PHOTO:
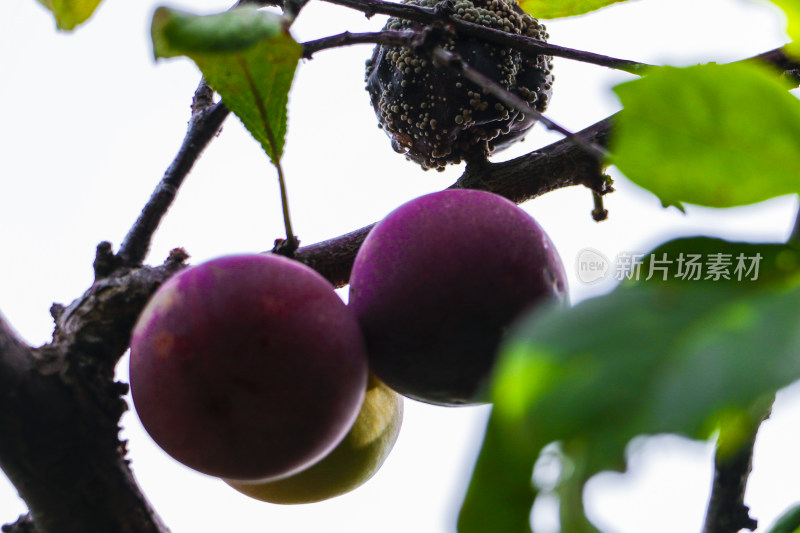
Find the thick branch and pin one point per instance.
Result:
(60, 408)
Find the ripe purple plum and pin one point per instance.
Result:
(351, 464)
(437, 283)
(247, 367)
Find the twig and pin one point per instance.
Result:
(450, 60)
(599, 213)
(526, 45)
(388, 38)
(203, 126)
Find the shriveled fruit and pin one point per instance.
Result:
(247, 367)
(354, 461)
(437, 282)
(434, 115)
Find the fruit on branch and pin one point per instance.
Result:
(354, 461)
(247, 367)
(438, 281)
(435, 116)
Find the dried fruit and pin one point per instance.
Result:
(435, 116)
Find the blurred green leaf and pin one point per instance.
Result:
(789, 522)
(648, 358)
(245, 55)
(551, 9)
(70, 13)
(176, 33)
(792, 10)
(714, 135)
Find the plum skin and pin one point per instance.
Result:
(438, 281)
(248, 367)
(351, 464)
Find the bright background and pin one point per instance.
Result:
(90, 122)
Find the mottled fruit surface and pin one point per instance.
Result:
(247, 367)
(434, 115)
(438, 281)
(354, 461)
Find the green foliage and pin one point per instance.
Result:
(792, 10)
(646, 359)
(245, 55)
(714, 135)
(551, 9)
(789, 522)
(70, 13)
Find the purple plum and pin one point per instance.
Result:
(247, 367)
(437, 283)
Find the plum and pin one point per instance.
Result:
(247, 367)
(351, 464)
(438, 281)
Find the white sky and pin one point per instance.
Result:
(90, 122)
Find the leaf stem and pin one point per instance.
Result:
(291, 240)
(570, 491)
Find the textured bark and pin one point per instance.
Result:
(60, 408)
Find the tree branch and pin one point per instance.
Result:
(726, 511)
(388, 38)
(207, 118)
(561, 164)
(526, 45)
(60, 408)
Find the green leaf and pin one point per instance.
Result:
(70, 13)
(648, 358)
(792, 10)
(551, 9)
(789, 522)
(245, 55)
(714, 135)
